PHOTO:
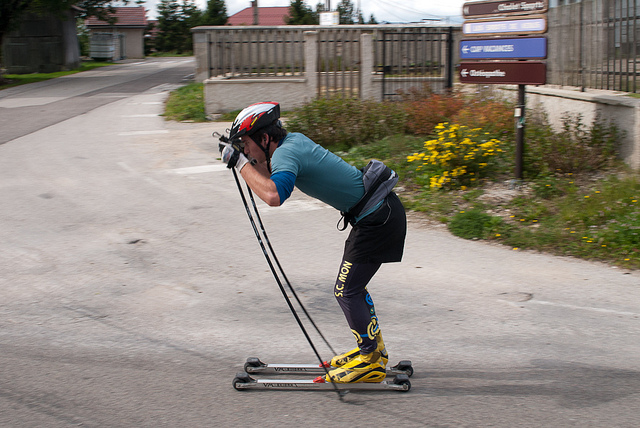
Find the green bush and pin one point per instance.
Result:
(577, 147)
(342, 123)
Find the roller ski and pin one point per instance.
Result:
(243, 381)
(256, 366)
(361, 372)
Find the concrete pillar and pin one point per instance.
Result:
(634, 157)
(366, 67)
(311, 62)
(201, 52)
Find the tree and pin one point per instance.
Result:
(346, 11)
(372, 20)
(301, 14)
(175, 20)
(216, 13)
(12, 11)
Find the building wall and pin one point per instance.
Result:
(127, 42)
(42, 44)
(134, 42)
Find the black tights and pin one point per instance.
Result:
(356, 303)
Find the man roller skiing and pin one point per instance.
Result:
(282, 160)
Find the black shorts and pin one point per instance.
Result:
(379, 237)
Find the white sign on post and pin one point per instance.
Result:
(329, 18)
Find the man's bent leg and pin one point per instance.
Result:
(364, 363)
(356, 303)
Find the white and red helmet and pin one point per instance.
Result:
(253, 118)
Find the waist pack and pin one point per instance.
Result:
(378, 180)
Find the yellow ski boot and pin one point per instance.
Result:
(342, 359)
(361, 368)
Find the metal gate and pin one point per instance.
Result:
(339, 59)
(416, 59)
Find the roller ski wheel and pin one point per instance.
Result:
(241, 379)
(403, 381)
(403, 366)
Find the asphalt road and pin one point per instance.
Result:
(132, 289)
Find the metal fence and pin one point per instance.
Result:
(247, 52)
(594, 44)
(403, 55)
(416, 58)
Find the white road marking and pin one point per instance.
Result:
(583, 308)
(307, 204)
(130, 133)
(200, 169)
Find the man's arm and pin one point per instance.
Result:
(258, 179)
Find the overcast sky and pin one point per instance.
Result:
(383, 10)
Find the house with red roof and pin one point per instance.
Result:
(123, 39)
(266, 16)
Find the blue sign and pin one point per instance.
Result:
(520, 48)
(505, 26)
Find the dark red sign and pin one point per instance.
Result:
(491, 8)
(504, 72)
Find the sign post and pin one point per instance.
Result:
(520, 120)
(491, 21)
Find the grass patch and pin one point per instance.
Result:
(474, 224)
(170, 54)
(227, 117)
(597, 220)
(11, 80)
(186, 104)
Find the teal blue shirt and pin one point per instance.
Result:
(318, 172)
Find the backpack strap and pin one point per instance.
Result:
(374, 175)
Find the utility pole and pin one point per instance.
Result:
(256, 19)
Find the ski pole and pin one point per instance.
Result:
(275, 258)
(279, 282)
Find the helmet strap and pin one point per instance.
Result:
(265, 149)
